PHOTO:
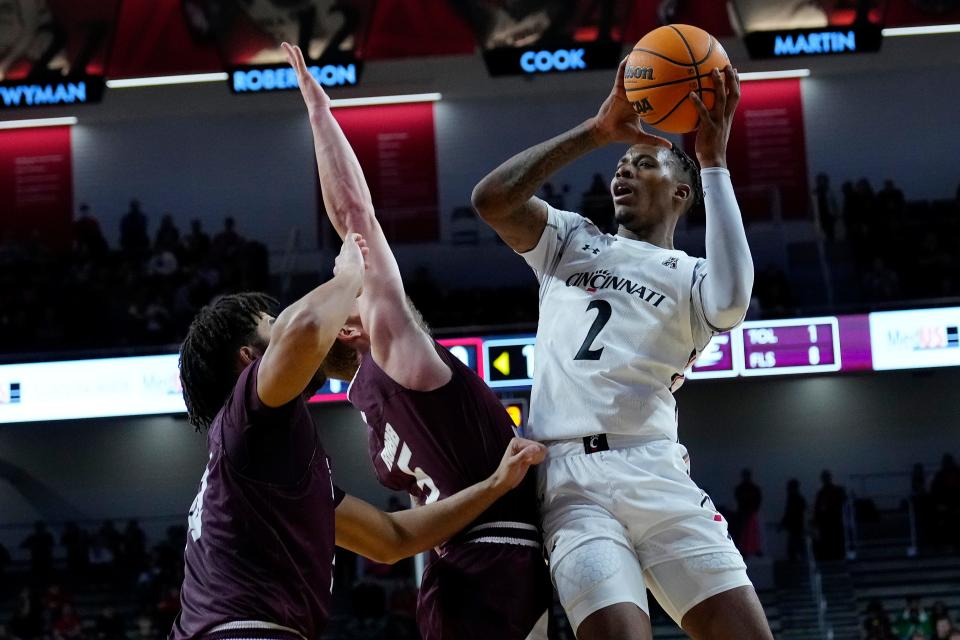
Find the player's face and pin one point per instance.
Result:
(643, 187)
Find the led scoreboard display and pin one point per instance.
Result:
(509, 361)
(788, 346)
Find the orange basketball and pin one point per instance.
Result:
(664, 67)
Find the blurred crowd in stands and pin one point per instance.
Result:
(109, 585)
(139, 294)
(914, 623)
(880, 250)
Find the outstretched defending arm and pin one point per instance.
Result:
(389, 537)
(505, 197)
(725, 289)
(399, 344)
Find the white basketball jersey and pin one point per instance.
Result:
(619, 324)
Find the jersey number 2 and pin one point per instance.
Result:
(604, 311)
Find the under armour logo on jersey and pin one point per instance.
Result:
(671, 262)
(587, 247)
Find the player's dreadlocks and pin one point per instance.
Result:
(208, 355)
(690, 171)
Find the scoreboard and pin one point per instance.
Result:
(150, 385)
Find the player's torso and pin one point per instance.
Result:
(613, 340)
(435, 443)
(257, 551)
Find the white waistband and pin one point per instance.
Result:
(252, 624)
(577, 447)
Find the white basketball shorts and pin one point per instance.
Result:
(619, 521)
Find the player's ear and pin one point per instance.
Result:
(245, 356)
(349, 334)
(682, 192)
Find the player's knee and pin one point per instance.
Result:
(623, 621)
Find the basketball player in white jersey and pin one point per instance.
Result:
(621, 317)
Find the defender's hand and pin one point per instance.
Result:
(313, 93)
(520, 455)
(714, 130)
(351, 263)
(616, 121)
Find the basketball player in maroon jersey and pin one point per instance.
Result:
(262, 529)
(434, 427)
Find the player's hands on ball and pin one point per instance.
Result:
(313, 93)
(352, 261)
(520, 455)
(714, 129)
(616, 121)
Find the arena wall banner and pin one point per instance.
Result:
(36, 184)
(767, 154)
(397, 149)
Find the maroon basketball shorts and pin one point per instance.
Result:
(489, 584)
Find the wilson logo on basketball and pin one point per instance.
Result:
(639, 73)
(643, 106)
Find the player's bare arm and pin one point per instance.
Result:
(389, 537)
(302, 334)
(398, 342)
(725, 291)
(505, 197)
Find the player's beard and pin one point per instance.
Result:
(341, 362)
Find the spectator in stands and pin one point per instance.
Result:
(40, 546)
(945, 501)
(4, 563)
(133, 230)
(195, 244)
(773, 291)
(876, 625)
(942, 628)
(74, 542)
(748, 497)
(890, 198)
(168, 236)
(826, 206)
(914, 621)
(67, 624)
(88, 239)
(27, 620)
(794, 521)
(828, 519)
(134, 549)
(881, 283)
(109, 626)
(145, 630)
(100, 559)
(920, 500)
(167, 608)
(226, 243)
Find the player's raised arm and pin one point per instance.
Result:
(389, 537)
(303, 333)
(505, 197)
(398, 343)
(726, 288)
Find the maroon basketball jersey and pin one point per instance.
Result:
(260, 543)
(432, 444)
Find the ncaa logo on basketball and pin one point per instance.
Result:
(643, 106)
(638, 73)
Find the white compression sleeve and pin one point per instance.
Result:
(728, 283)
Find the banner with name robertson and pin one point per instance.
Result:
(333, 72)
(805, 43)
(568, 57)
(51, 91)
